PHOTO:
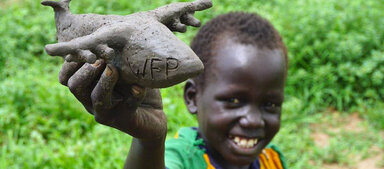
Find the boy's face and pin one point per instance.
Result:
(240, 106)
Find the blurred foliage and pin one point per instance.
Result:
(336, 50)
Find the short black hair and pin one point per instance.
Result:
(246, 28)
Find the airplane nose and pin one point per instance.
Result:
(156, 58)
(186, 65)
(178, 61)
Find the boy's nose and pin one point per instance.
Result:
(252, 120)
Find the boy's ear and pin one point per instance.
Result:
(190, 92)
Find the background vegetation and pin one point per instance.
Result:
(336, 50)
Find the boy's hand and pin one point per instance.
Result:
(129, 108)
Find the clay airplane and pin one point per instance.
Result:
(141, 45)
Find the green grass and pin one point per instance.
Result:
(336, 49)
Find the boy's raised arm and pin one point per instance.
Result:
(127, 42)
(130, 109)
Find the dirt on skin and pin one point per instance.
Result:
(352, 124)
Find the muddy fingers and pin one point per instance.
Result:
(83, 81)
(67, 70)
(102, 95)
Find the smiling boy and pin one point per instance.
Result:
(237, 101)
(238, 98)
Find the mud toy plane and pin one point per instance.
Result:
(141, 45)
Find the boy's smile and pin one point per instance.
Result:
(239, 106)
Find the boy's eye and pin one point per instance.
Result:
(232, 102)
(271, 106)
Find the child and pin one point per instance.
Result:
(237, 101)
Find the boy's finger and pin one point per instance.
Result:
(83, 81)
(102, 94)
(137, 91)
(67, 70)
(153, 99)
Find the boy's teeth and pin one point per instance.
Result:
(237, 140)
(250, 143)
(244, 142)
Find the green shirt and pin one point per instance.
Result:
(186, 151)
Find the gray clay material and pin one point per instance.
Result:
(141, 45)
